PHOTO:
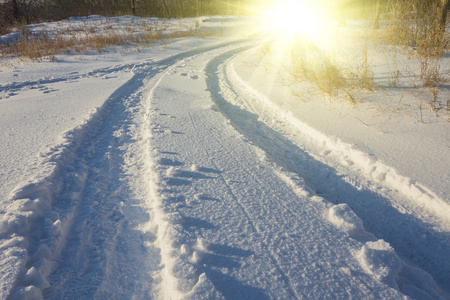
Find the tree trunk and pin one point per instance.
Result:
(443, 7)
(166, 10)
(133, 7)
(15, 8)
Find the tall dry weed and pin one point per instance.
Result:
(414, 26)
(36, 45)
(308, 62)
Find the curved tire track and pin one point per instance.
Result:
(77, 234)
(232, 225)
(381, 208)
(173, 191)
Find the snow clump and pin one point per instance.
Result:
(342, 216)
(380, 260)
(202, 244)
(195, 168)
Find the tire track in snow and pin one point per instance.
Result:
(371, 201)
(105, 251)
(247, 215)
(231, 193)
(193, 244)
(171, 285)
(90, 214)
(220, 228)
(78, 220)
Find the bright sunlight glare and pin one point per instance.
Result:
(290, 19)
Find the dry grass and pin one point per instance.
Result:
(42, 45)
(358, 70)
(309, 63)
(336, 79)
(80, 38)
(410, 32)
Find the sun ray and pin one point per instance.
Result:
(294, 19)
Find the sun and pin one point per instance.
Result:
(290, 19)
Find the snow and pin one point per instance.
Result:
(344, 217)
(188, 169)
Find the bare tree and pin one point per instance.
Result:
(15, 9)
(133, 7)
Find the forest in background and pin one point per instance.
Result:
(21, 12)
(15, 13)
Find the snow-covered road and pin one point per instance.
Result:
(188, 183)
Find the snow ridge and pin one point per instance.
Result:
(37, 232)
(160, 224)
(253, 115)
(35, 229)
(36, 226)
(384, 201)
(357, 160)
(178, 278)
(376, 257)
(45, 207)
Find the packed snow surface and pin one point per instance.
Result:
(189, 169)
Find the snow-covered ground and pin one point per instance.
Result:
(194, 168)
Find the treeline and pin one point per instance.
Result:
(14, 12)
(18, 12)
(364, 9)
